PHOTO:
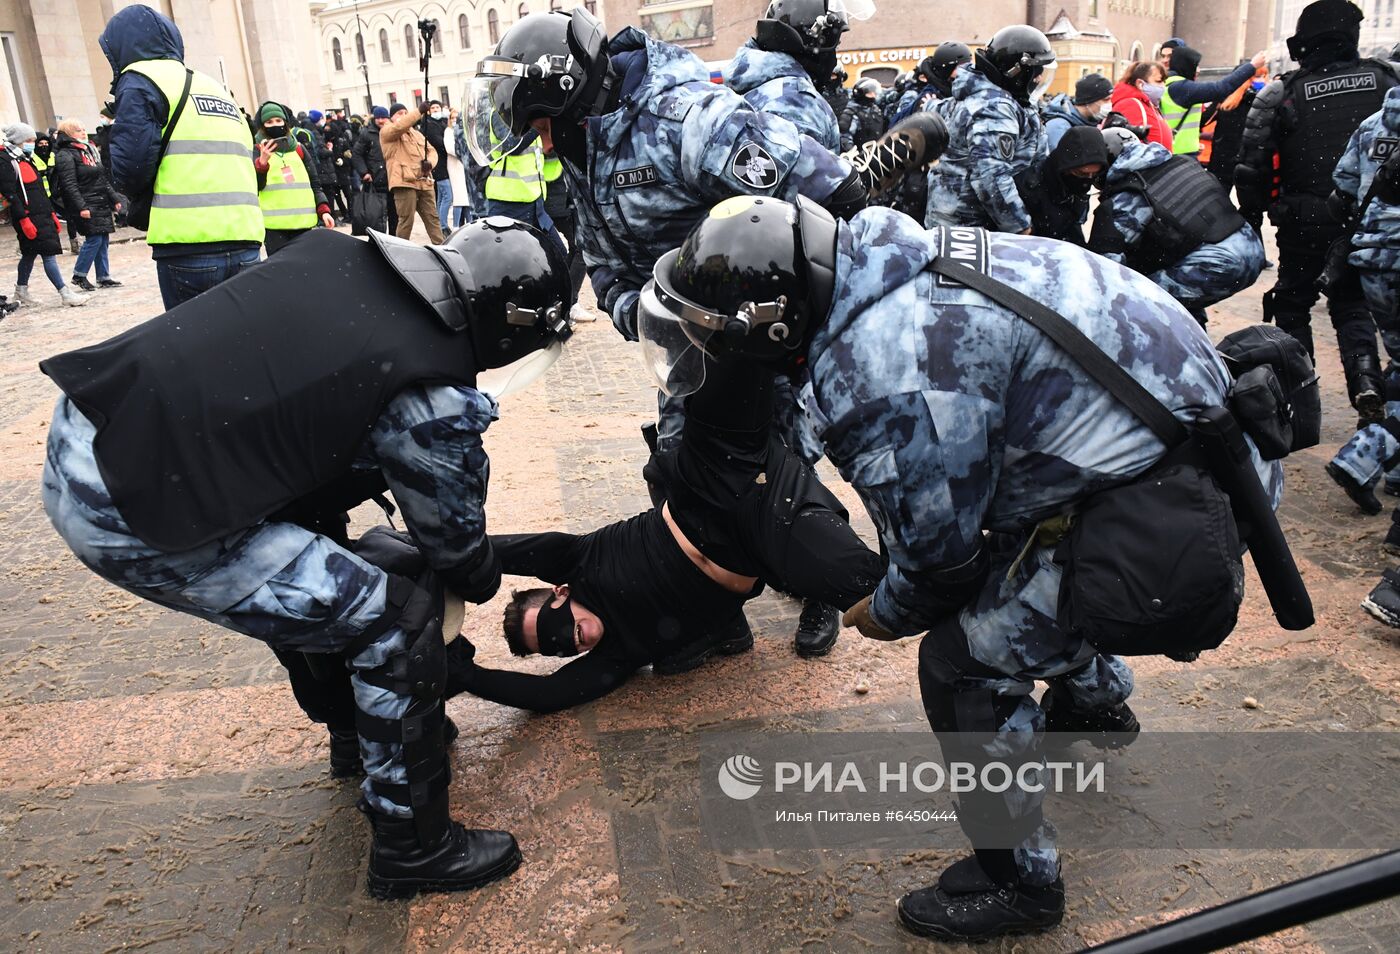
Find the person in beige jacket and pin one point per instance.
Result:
(409, 161)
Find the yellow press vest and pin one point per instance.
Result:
(205, 189)
(41, 165)
(287, 200)
(1183, 121)
(517, 178)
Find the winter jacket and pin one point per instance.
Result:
(79, 177)
(367, 157)
(297, 142)
(1377, 238)
(433, 130)
(134, 34)
(1140, 111)
(24, 192)
(1060, 206)
(404, 149)
(1189, 91)
(1060, 115)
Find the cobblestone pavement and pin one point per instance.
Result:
(159, 789)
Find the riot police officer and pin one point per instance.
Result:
(648, 143)
(996, 143)
(1168, 218)
(862, 122)
(1304, 121)
(175, 473)
(961, 448)
(793, 47)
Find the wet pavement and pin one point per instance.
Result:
(160, 790)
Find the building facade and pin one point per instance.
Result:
(51, 67)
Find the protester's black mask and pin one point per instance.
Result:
(554, 629)
(1074, 185)
(43, 150)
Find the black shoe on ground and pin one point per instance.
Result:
(1113, 728)
(454, 859)
(730, 640)
(108, 283)
(1363, 495)
(81, 282)
(817, 629)
(983, 913)
(1383, 602)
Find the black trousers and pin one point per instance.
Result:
(750, 504)
(1301, 257)
(321, 685)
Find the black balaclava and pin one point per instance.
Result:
(1079, 146)
(43, 148)
(554, 629)
(1328, 31)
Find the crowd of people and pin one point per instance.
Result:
(898, 281)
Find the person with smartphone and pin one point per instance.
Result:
(289, 184)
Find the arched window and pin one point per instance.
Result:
(523, 12)
(464, 35)
(360, 47)
(493, 27)
(437, 38)
(410, 41)
(335, 55)
(384, 45)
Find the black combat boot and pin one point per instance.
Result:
(1113, 728)
(968, 905)
(1391, 543)
(434, 853)
(1365, 387)
(817, 629)
(1363, 495)
(731, 639)
(1383, 602)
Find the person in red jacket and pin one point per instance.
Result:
(1136, 96)
(32, 215)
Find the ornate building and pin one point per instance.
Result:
(51, 66)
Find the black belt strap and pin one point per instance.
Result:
(1090, 356)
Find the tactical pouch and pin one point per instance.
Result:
(1275, 397)
(1154, 567)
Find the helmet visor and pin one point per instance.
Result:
(1043, 81)
(852, 9)
(520, 373)
(672, 355)
(488, 116)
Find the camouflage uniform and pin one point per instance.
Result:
(992, 140)
(675, 146)
(278, 582)
(1209, 274)
(775, 83)
(951, 416)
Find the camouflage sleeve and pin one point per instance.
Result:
(729, 149)
(1129, 214)
(1347, 176)
(922, 466)
(994, 133)
(428, 444)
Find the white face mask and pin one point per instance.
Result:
(1102, 112)
(435, 114)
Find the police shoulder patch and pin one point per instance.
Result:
(632, 178)
(1383, 148)
(754, 167)
(962, 245)
(1006, 146)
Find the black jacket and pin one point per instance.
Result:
(433, 132)
(368, 157)
(23, 189)
(79, 176)
(861, 122)
(1059, 206)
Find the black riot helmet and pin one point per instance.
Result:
(753, 279)
(939, 65)
(518, 297)
(802, 27)
(1020, 60)
(546, 66)
(868, 87)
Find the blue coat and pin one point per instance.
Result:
(992, 139)
(676, 145)
(776, 83)
(950, 415)
(134, 34)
